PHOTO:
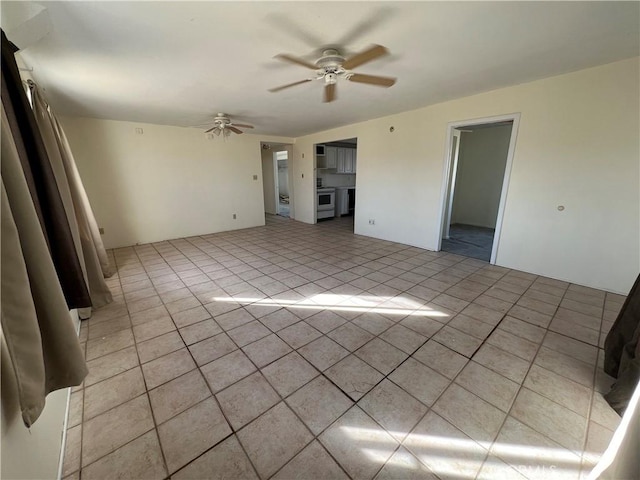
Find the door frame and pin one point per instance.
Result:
(276, 181)
(456, 136)
(450, 165)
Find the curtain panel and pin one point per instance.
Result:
(82, 223)
(41, 181)
(53, 258)
(43, 347)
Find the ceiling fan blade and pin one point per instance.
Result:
(372, 79)
(282, 87)
(329, 92)
(233, 129)
(285, 25)
(365, 26)
(242, 125)
(369, 54)
(299, 61)
(210, 130)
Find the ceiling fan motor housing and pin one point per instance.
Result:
(221, 119)
(330, 58)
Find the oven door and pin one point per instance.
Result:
(326, 201)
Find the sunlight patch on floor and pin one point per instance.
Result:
(463, 458)
(345, 303)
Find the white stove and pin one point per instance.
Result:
(325, 202)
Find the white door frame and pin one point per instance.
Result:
(451, 182)
(276, 181)
(451, 126)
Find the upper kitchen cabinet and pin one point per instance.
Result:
(331, 157)
(346, 160)
(338, 157)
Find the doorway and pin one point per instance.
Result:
(281, 176)
(478, 166)
(336, 167)
(276, 179)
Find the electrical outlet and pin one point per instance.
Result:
(234, 216)
(372, 221)
(139, 131)
(101, 230)
(255, 177)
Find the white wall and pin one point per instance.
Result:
(480, 173)
(167, 183)
(34, 453)
(268, 183)
(577, 146)
(31, 453)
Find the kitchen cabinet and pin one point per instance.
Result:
(346, 160)
(331, 157)
(340, 159)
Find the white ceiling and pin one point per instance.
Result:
(178, 63)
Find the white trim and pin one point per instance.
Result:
(515, 118)
(505, 188)
(63, 444)
(451, 181)
(276, 182)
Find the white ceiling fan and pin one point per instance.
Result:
(222, 125)
(332, 66)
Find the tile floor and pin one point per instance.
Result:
(305, 351)
(470, 241)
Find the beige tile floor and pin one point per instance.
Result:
(304, 351)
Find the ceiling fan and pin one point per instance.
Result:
(331, 66)
(222, 124)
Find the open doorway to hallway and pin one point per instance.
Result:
(276, 180)
(478, 172)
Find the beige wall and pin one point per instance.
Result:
(167, 183)
(577, 146)
(480, 173)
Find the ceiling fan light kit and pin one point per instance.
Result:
(222, 124)
(332, 66)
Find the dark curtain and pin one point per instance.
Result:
(41, 181)
(622, 351)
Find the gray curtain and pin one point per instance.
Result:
(622, 351)
(43, 348)
(84, 228)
